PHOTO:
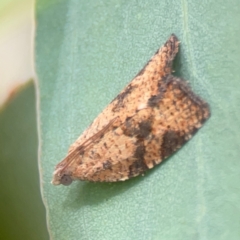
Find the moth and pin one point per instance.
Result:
(151, 118)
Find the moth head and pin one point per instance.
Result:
(61, 178)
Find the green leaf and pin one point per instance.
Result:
(22, 211)
(86, 52)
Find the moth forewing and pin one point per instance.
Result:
(152, 117)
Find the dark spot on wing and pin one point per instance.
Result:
(138, 166)
(141, 130)
(129, 128)
(171, 142)
(145, 128)
(154, 100)
(107, 164)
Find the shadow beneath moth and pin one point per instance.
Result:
(150, 119)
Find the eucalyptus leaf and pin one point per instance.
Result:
(86, 52)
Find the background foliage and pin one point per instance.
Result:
(22, 211)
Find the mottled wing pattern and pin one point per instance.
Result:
(146, 138)
(149, 120)
(137, 93)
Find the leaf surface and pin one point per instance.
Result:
(86, 52)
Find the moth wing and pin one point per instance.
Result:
(148, 137)
(137, 93)
(123, 152)
(74, 157)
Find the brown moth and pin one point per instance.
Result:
(154, 115)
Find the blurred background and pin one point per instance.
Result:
(22, 209)
(16, 45)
